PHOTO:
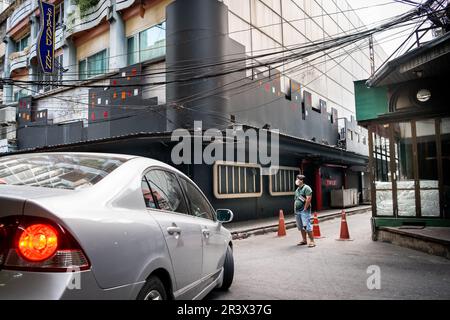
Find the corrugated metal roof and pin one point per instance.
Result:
(165, 136)
(431, 59)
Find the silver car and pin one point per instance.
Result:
(104, 226)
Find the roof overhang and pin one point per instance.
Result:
(288, 144)
(429, 60)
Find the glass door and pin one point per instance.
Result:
(445, 166)
(405, 168)
(382, 186)
(428, 168)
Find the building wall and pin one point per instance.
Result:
(89, 45)
(158, 91)
(155, 12)
(292, 23)
(298, 22)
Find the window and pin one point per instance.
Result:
(445, 149)
(19, 94)
(237, 180)
(382, 171)
(148, 197)
(282, 183)
(148, 44)
(133, 50)
(49, 82)
(166, 191)
(404, 162)
(428, 168)
(58, 171)
(22, 43)
(349, 135)
(198, 204)
(94, 65)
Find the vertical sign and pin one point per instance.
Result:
(46, 39)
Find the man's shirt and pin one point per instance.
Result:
(300, 197)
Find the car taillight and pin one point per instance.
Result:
(38, 244)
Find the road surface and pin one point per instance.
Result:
(267, 267)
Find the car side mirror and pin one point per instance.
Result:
(224, 215)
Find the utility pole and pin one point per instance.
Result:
(372, 55)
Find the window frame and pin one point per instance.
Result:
(137, 37)
(156, 168)
(271, 177)
(393, 158)
(84, 75)
(180, 178)
(216, 180)
(19, 43)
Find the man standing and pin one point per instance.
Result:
(302, 206)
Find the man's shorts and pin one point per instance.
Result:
(303, 219)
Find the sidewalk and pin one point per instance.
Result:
(432, 240)
(244, 229)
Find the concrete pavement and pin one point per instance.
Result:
(268, 267)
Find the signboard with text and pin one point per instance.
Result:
(46, 38)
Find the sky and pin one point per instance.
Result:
(390, 40)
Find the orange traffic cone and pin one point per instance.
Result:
(345, 235)
(281, 225)
(316, 228)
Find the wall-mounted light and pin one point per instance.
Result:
(423, 95)
(418, 73)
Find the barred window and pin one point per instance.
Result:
(237, 180)
(282, 182)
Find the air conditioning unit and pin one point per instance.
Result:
(7, 115)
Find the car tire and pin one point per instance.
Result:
(153, 290)
(228, 270)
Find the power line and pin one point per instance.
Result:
(241, 30)
(72, 101)
(205, 76)
(130, 115)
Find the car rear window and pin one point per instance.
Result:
(58, 171)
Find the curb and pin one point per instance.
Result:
(246, 233)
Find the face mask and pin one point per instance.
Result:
(297, 183)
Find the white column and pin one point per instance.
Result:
(117, 42)
(7, 89)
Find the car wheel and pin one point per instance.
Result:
(153, 290)
(228, 270)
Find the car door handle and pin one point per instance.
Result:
(173, 230)
(206, 233)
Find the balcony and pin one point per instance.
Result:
(20, 13)
(77, 22)
(33, 52)
(19, 59)
(123, 4)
